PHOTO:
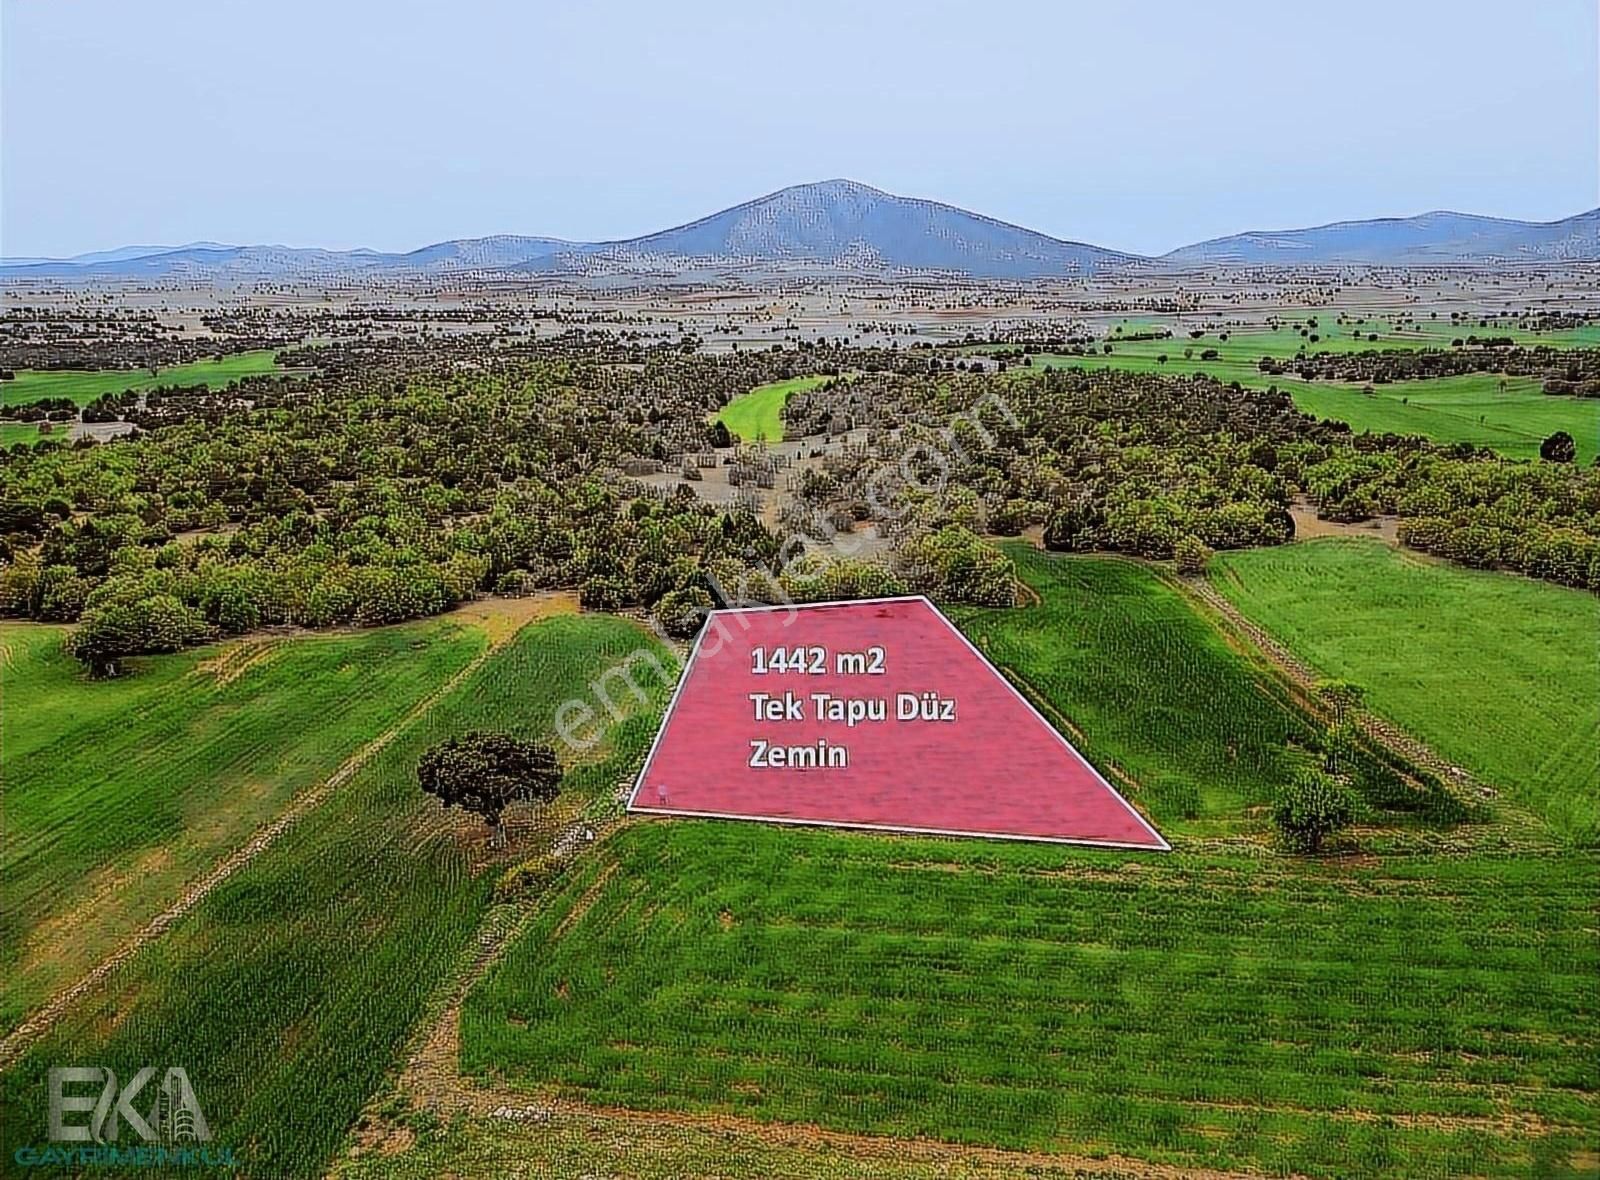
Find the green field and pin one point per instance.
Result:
(119, 791)
(1475, 408)
(83, 386)
(1420, 1016)
(1125, 661)
(288, 992)
(28, 432)
(759, 413)
(1415, 1010)
(1499, 673)
(1508, 414)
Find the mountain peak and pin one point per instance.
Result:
(843, 228)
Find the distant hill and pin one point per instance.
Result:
(847, 226)
(1439, 238)
(844, 228)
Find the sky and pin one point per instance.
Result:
(1139, 126)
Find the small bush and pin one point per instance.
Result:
(1192, 554)
(1311, 807)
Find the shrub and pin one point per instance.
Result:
(681, 612)
(1192, 554)
(1311, 807)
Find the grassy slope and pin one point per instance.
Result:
(117, 792)
(288, 991)
(86, 385)
(1125, 665)
(1199, 1008)
(759, 413)
(1458, 409)
(1499, 673)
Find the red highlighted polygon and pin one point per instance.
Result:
(872, 714)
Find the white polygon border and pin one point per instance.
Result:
(635, 807)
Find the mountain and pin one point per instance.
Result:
(1438, 238)
(848, 226)
(837, 228)
(120, 254)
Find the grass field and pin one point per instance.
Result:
(119, 791)
(759, 413)
(1499, 673)
(1194, 1009)
(1474, 408)
(84, 386)
(289, 990)
(1207, 1007)
(1123, 664)
(28, 432)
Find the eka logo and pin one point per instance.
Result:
(171, 1114)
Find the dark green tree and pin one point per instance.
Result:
(1311, 807)
(1558, 448)
(485, 773)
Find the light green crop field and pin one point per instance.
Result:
(1510, 415)
(288, 991)
(119, 791)
(1499, 673)
(27, 432)
(759, 413)
(84, 386)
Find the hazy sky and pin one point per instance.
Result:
(1134, 125)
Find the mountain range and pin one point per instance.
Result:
(843, 228)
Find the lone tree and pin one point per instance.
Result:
(1558, 448)
(487, 772)
(1311, 807)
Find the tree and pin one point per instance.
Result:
(680, 612)
(1192, 554)
(485, 773)
(1311, 807)
(1558, 448)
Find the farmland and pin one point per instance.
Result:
(288, 989)
(1495, 671)
(1144, 687)
(83, 386)
(119, 791)
(1198, 1008)
(758, 414)
(1510, 415)
(22, 432)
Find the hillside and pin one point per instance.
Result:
(1440, 238)
(841, 224)
(844, 228)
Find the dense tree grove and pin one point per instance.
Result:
(401, 480)
(1136, 463)
(1570, 371)
(1109, 461)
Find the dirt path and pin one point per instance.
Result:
(501, 619)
